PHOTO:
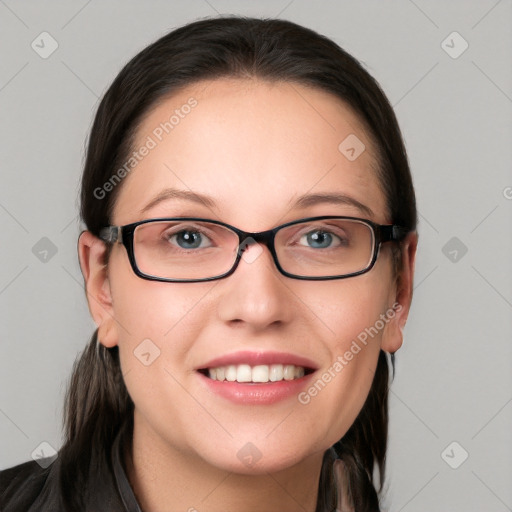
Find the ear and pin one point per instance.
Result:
(392, 337)
(92, 253)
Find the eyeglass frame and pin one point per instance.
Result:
(124, 235)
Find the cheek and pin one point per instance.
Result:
(342, 392)
(151, 309)
(350, 310)
(354, 318)
(338, 393)
(156, 325)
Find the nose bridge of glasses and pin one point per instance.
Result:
(262, 237)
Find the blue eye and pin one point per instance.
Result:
(188, 239)
(320, 239)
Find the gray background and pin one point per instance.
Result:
(454, 379)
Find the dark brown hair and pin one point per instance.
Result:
(269, 49)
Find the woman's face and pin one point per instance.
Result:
(254, 149)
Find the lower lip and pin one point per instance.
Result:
(264, 393)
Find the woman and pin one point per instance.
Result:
(248, 260)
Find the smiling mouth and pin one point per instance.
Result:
(244, 373)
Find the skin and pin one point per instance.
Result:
(254, 147)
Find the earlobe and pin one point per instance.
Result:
(393, 336)
(92, 254)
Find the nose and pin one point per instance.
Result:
(255, 293)
(250, 249)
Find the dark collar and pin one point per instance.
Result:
(123, 437)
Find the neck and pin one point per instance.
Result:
(161, 475)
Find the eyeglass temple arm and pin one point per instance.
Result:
(393, 233)
(111, 234)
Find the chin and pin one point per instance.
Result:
(260, 458)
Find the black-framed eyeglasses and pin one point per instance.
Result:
(192, 249)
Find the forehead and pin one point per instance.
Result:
(254, 147)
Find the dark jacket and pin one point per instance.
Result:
(29, 487)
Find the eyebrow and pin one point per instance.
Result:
(174, 193)
(308, 200)
(304, 201)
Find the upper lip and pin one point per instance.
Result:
(255, 358)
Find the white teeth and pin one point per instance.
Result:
(231, 373)
(243, 373)
(276, 372)
(221, 372)
(259, 373)
(289, 372)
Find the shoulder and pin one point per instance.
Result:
(77, 479)
(21, 485)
